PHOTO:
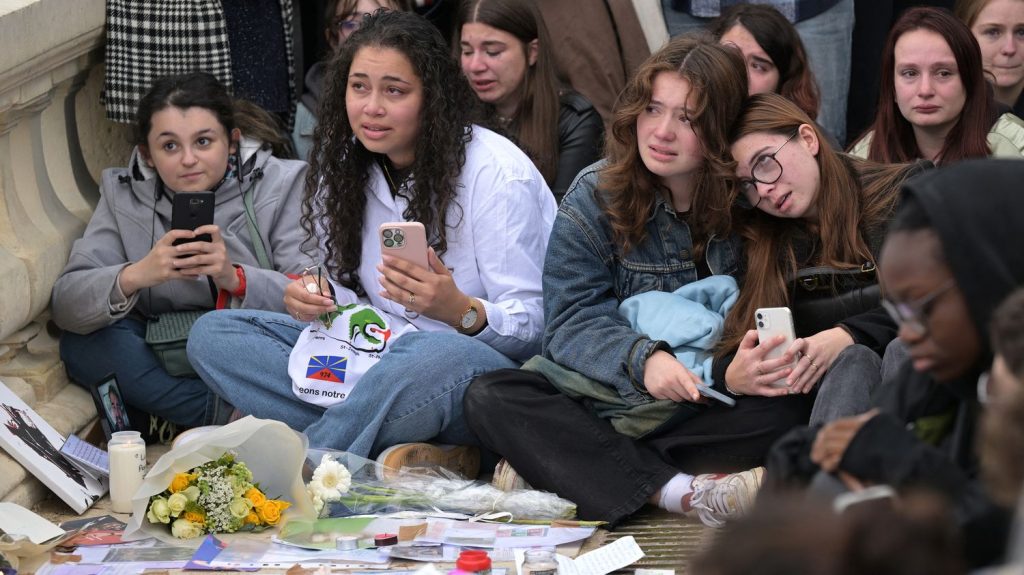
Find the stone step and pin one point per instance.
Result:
(30, 366)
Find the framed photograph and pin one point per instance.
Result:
(33, 443)
(110, 406)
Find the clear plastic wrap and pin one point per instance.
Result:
(367, 490)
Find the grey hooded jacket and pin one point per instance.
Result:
(129, 219)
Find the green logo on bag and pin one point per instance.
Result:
(367, 331)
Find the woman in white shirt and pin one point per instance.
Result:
(397, 143)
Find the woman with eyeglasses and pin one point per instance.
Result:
(343, 17)
(933, 100)
(950, 257)
(813, 223)
(647, 223)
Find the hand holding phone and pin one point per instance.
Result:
(772, 322)
(190, 211)
(405, 240)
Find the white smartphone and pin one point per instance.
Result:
(710, 393)
(406, 240)
(771, 322)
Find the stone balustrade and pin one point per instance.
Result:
(54, 142)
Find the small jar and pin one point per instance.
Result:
(474, 561)
(539, 562)
(126, 451)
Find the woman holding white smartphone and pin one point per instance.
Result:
(396, 143)
(813, 220)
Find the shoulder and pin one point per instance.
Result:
(862, 146)
(1006, 138)
(489, 152)
(574, 102)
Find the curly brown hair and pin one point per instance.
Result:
(336, 186)
(718, 84)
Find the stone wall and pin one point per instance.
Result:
(54, 142)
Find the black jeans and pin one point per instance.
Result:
(558, 444)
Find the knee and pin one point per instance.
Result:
(858, 356)
(486, 392)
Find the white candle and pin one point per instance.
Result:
(127, 452)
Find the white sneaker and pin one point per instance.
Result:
(506, 478)
(719, 497)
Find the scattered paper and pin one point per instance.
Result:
(88, 458)
(498, 536)
(603, 560)
(17, 521)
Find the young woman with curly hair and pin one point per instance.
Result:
(650, 221)
(933, 101)
(396, 142)
(508, 56)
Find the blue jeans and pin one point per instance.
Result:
(413, 394)
(828, 39)
(121, 349)
(846, 388)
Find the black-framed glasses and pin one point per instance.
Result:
(914, 314)
(766, 170)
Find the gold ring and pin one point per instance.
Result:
(412, 298)
(814, 365)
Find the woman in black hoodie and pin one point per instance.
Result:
(952, 254)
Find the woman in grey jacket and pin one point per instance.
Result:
(126, 269)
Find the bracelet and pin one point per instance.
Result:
(240, 290)
(731, 392)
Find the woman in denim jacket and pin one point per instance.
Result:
(643, 220)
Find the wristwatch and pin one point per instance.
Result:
(468, 318)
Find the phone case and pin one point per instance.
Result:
(192, 210)
(773, 321)
(406, 240)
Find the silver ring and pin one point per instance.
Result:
(814, 365)
(412, 298)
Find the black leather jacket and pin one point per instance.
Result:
(580, 138)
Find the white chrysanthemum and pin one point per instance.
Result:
(333, 478)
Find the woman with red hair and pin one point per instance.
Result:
(933, 101)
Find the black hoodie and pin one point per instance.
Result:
(976, 208)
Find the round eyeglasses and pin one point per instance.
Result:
(765, 170)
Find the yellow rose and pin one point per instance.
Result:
(180, 481)
(256, 497)
(252, 518)
(270, 511)
(194, 517)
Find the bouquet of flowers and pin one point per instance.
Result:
(216, 497)
(344, 484)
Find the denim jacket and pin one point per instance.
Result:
(586, 276)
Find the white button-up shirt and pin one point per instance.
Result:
(499, 225)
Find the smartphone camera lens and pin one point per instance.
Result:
(399, 238)
(388, 233)
(759, 316)
(389, 243)
(760, 324)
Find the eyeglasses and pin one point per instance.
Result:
(914, 314)
(766, 170)
(346, 26)
(312, 280)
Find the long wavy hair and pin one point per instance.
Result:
(534, 125)
(855, 200)
(718, 84)
(340, 166)
(893, 140)
(780, 40)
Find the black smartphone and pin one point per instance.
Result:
(191, 210)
